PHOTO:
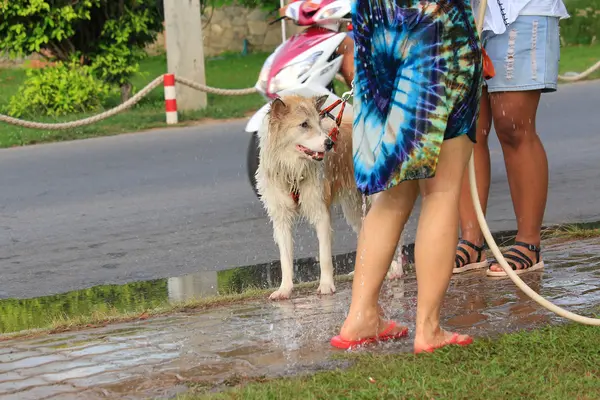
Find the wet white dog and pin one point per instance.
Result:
(301, 176)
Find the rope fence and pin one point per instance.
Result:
(583, 75)
(170, 100)
(171, 104)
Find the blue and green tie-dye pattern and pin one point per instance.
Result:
(418, 81)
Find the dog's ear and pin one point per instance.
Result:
(278, 108)
(319, 101)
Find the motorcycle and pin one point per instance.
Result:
(306, 64)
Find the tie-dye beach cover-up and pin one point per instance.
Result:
(418, 81)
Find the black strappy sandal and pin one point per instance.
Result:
(517, 258)
(463, 265)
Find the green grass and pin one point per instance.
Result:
(229, 71)
(559, 363)
(580, 58)
(573, 231)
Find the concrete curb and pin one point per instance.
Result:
(344, 263)
(304, 268)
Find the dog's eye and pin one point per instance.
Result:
(304, 125)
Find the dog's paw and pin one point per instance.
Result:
(395, 271)
(326, 288)
(281, 294)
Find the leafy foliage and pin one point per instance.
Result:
(583, 27)
(108, 35)
(59, 90)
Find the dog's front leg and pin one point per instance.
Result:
(323, 227)
(282, 232)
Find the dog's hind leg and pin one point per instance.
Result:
(351, 202)
(322, 223)
(396, 270)
(282, 233)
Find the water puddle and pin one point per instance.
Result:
(159, 357)
(23, 314)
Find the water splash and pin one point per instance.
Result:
(364, 207)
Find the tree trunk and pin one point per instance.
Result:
(126, 92)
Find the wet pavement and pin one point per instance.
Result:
(40, 312)
(159, 357)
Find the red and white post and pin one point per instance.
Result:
(170, 99)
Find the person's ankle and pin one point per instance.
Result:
(428, 329)
(361, 322)
(474, 237)
(362, 315)
(534, 239)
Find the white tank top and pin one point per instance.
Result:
(501, 13)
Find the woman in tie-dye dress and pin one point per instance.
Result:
(417, 87)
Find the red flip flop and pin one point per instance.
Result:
(384, 336)
(454, 340)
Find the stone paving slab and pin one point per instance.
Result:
(156, 357)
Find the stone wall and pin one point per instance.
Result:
(224, 30)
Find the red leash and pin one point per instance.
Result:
(334, 132)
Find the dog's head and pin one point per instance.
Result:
(296, 128)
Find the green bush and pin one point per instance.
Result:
(584, 25)
(59, 90)
(108, 35)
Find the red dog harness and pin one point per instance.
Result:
(333, 133)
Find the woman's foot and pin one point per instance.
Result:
(468, 257)
(367, 328)
(438, 339)
(521, 257)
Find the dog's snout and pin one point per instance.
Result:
(328, 144)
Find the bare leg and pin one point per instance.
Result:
(526, 163)
(347, 69)
(377, 243)
(469, 226)
(437, 234)
(352, 207)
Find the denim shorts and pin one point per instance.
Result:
(525, 56)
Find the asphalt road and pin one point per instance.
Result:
(173, 202)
